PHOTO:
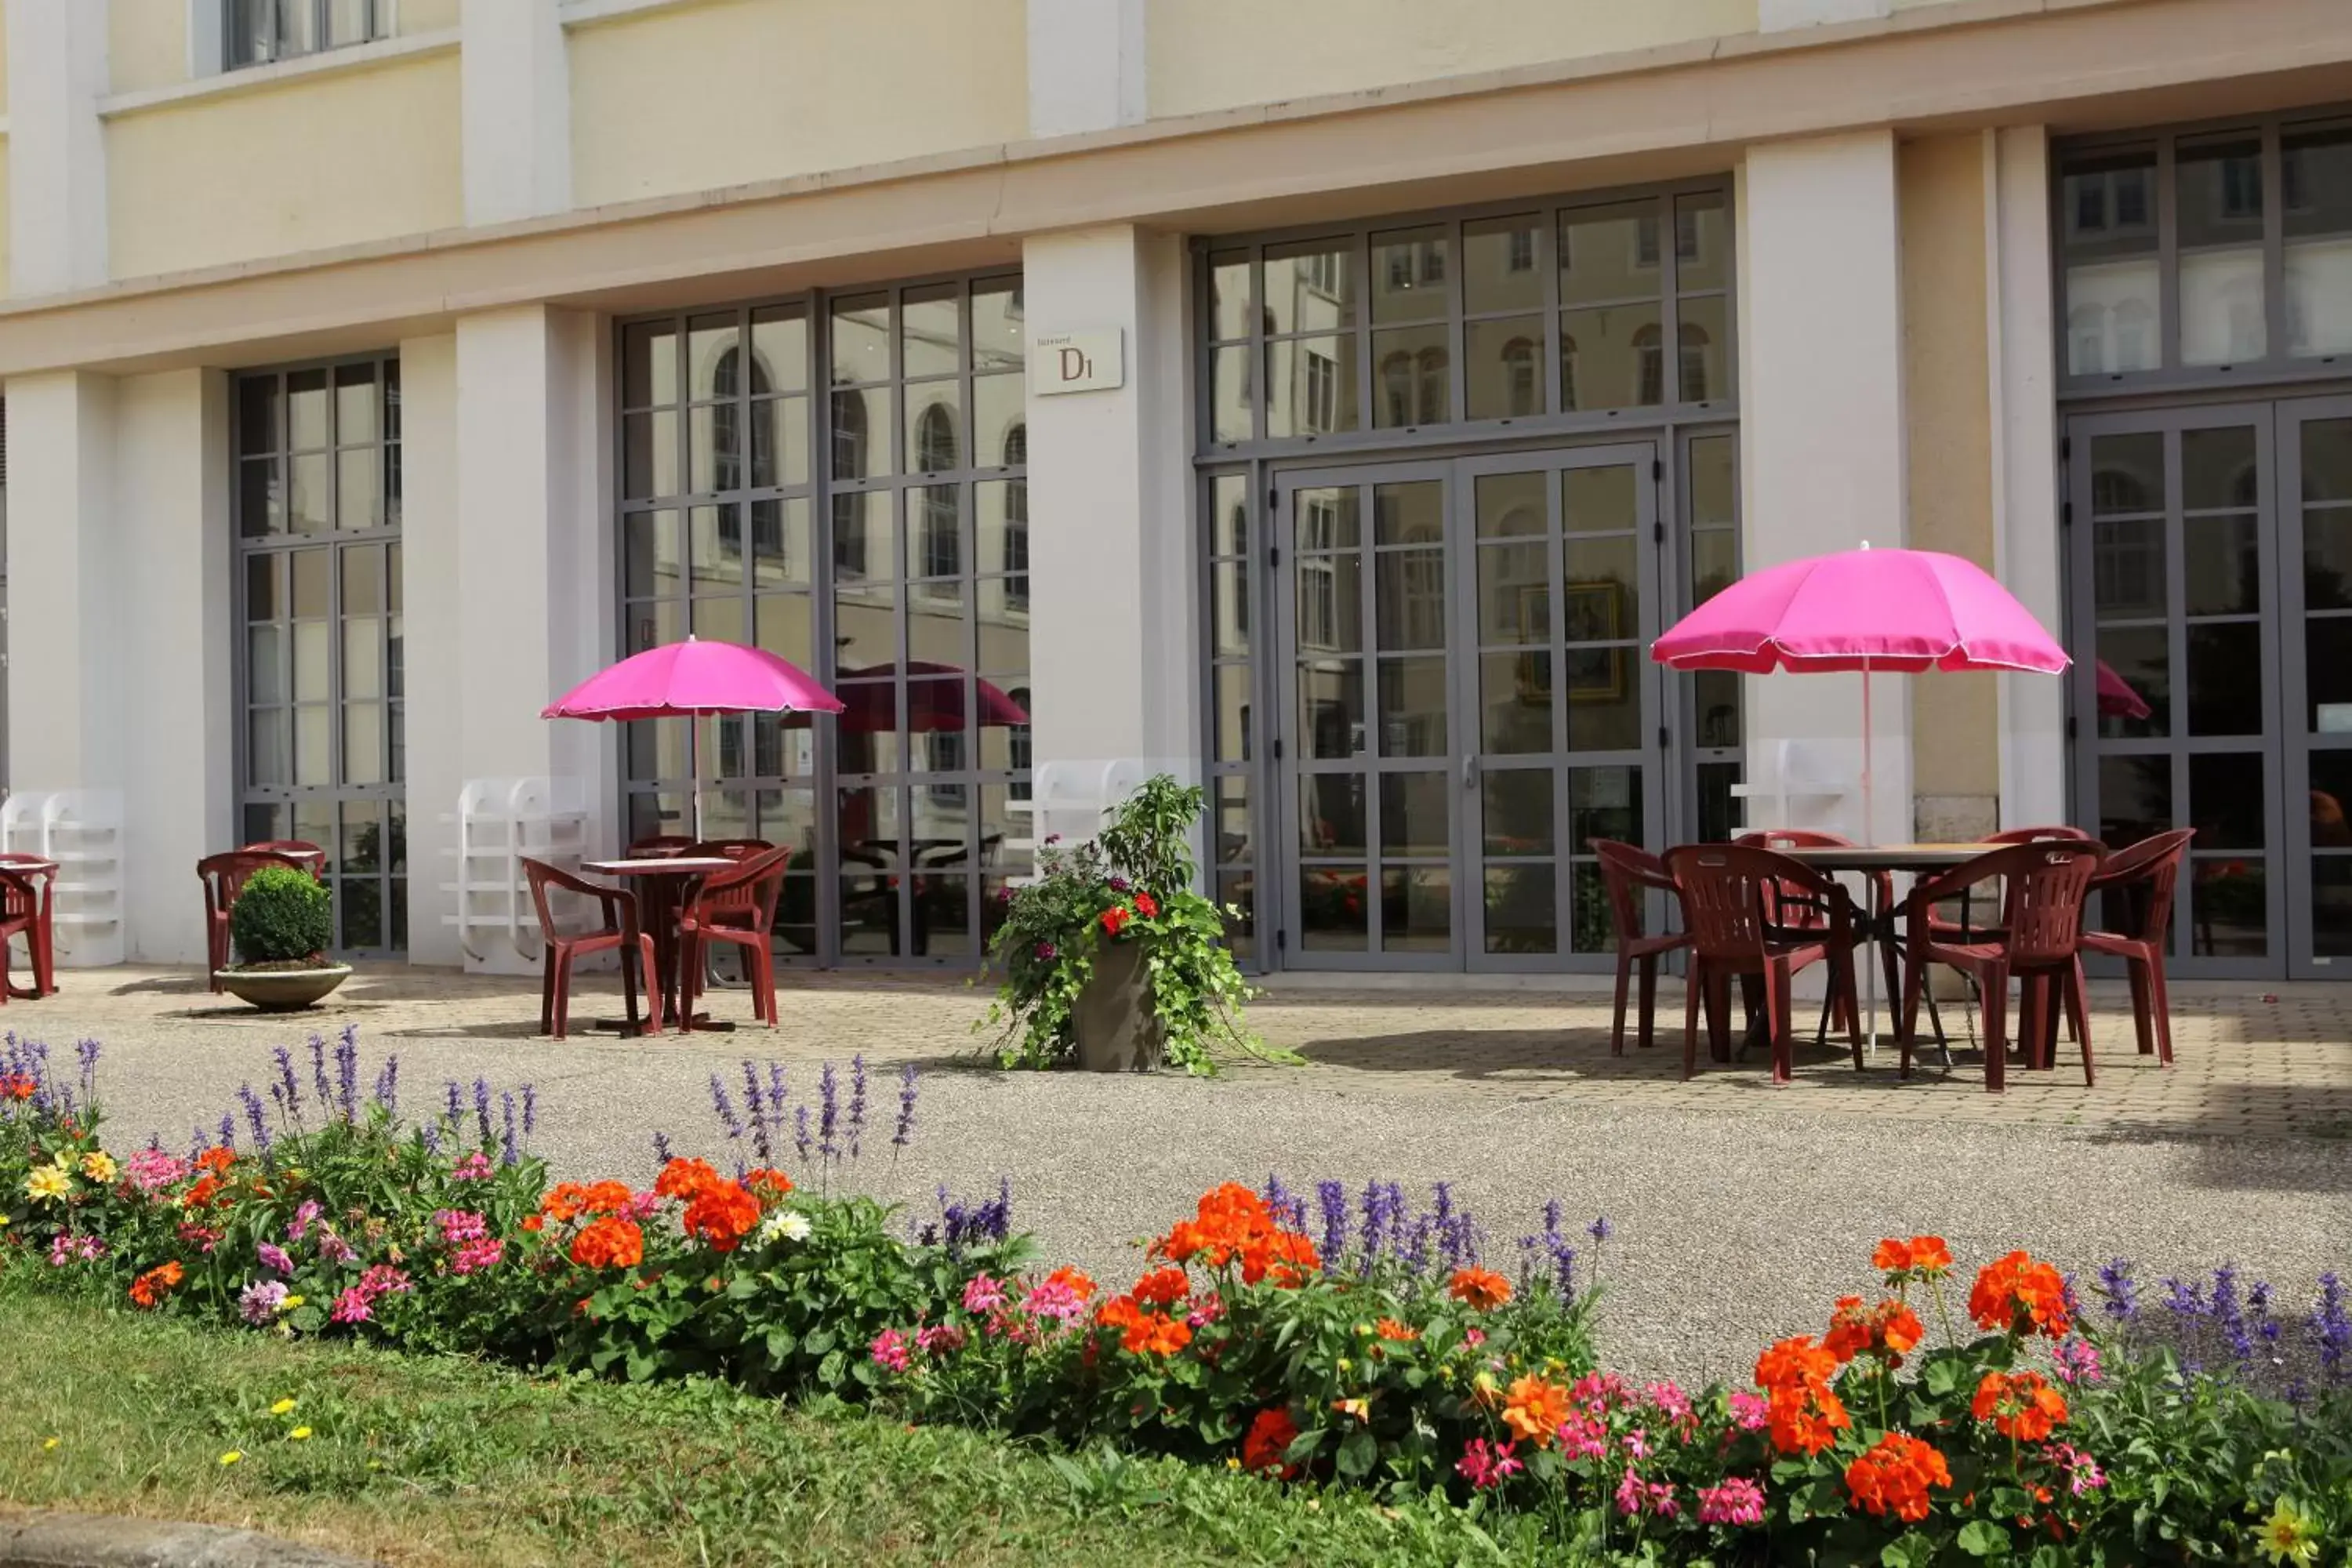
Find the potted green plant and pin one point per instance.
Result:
(1110, 960)
(281, 925)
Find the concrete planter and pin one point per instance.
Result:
(282, 990)
(1117, 1030)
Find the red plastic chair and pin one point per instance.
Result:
(1793, 911)
(1965, 927)
(223, 877)
(313, 858)
(739, 907)
(619, 932)
(28, 887)
(2146, 872)
(1626, 872)
(1725, 888)
(2039, 942)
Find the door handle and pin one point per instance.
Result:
(1470, 771)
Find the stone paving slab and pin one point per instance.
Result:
(1742, 1209)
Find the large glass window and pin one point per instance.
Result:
(2207, 253)
(321, 698)
(261, 32)
(842, 479)
(1562, 309)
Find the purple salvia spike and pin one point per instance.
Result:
(318, 1075)
(906, 1128)
(508, 1154)
(529, 1111)
(800, 1132)
(857, 1102)
(828, 1089)
(482, 1111)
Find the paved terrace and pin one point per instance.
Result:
(1740, 1209)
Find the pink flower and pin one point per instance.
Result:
(151, 1170)
(643, 1205)
(301, 1223)
(939, 1339)
(2083, 1473)
(474, 1167)
(1583, 1436)
(1205, 1311)
(1474, 1338)
(889, 1351)
(333, 1248)
(352, 1307)
(984, 1294)
(1669, 1399)
(1737, 1500)
(67, 1248)
(2077, 1361)
(1637, 1443)
(273, 1257)
(383, 1279)
(1597, 1392)
(483, 1252)
(1750, 1412)
(1485, 1463)
(1630, 1494)
(460, 1225)
(1053, 1298)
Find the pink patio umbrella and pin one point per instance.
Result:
(1864, 610)
(687, 679)
(2116, 697)
(935, 701)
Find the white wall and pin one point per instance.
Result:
(57, 150)
(2020, 324)
(1086, 65)
(66, 604)
(517, 84)
(1113, 620)
(1821, 433)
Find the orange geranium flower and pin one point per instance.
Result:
(1894, 1478)
(768, 1185)
(207, 1188)
(150, 1289)
(217, 1159)
(1390, 1329)
(1118, 1313)
(1921, 1258)
(1805, 1412)
(721, 1215)
(1534, 1410)
(2020, 1404)
(1282, 1256)
(1481, 1288)
(611, 1242)
(1890, 1330)
(563, 1202)
(687, 1179)
(2014, 1294)
(1266, 1448)
(534, 1223)
(1162, 1288)
(1232, 1222)
(1156, 1333)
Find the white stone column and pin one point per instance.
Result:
(57, 150)
(433, 667)
(2027, 545)
(1086, 66)
(66, 605)
(517, 582)
(517, 84)
(1114, 571)
(176, 641)
(1821, 438)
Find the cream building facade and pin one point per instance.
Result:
(375, 369)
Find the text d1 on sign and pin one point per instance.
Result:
(1078, 362)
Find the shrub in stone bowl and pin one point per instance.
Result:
(281, 925)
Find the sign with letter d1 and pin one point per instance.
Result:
(1078, 362)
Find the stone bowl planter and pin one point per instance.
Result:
(283, 990)
(1117, 1029)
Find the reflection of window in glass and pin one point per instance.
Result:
(1430, 381)
(1695, 344)
(941, 555)
(2241, 193)
(1522, 256)
(1646, 240)
(1568, 374)
(2127, 563)
(259, 31)
(1425, 592)
(849, 435)
(1241, 544)
(849, 535)
(1686, 234)
(1519, 375)
(1319, 582)
(1323, 272)
(1649, 366)
(1396, 386)
(1322, 390)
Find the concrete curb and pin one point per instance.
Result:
(93, 1540)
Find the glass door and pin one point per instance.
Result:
(1366, 760)
(1562, 701)
(2314, 442)
(2176, 587)
(1466, 704)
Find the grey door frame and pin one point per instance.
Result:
(2282, 876)
(2299, 741)
(1464, 764)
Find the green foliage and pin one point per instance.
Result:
(281, 916)
(1132, 882)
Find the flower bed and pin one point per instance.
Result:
(1312, 1338)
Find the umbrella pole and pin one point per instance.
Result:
(1869, 836)
(694, 767)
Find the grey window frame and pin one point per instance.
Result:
(1367, 434)
(826, 779)
(2275, 366)
(244, 48)
(391, 871)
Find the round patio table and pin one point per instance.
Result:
(665, 884)
(1879, 925)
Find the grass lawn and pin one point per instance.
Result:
(441, 1460)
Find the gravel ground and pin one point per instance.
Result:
(1731, 1226)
